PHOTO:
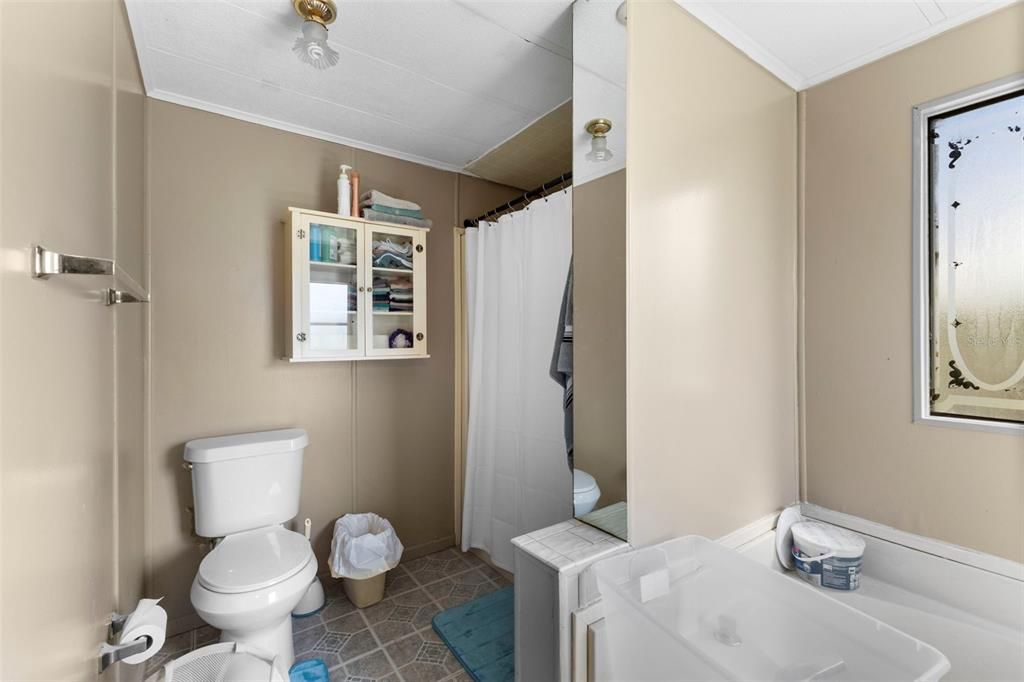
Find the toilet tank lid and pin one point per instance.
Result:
(582, 482)
(220, 448)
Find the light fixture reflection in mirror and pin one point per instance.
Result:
(598, 130)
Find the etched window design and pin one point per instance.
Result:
(976, 264)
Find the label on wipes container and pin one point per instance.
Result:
(835, 572)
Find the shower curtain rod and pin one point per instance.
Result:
(549, 187)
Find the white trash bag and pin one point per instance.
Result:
(364, 546)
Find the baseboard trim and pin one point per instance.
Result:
(749, 532)
(425, 548)
(961, 555)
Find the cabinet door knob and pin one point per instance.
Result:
(362, 288)
(301, 336)
(419, 248)
(419, 336)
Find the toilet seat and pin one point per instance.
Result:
(254, 560)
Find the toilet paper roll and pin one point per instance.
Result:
(147, 620)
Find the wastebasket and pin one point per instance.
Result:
(364, 548)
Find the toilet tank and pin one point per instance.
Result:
(246, 481)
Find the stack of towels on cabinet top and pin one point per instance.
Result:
(383, 208)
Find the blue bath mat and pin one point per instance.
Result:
(481, 635)
(313, 670)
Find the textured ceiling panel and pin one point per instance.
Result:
(436, 81)
(539, 153)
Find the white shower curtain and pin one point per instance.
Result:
(517, 476)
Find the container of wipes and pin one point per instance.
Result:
(827, 556)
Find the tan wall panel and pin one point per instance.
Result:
(599, 333)
(864, 456)
(67, 132)
(380, 432)
(711, 330)
(405, 410)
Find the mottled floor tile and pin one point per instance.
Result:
(449, 592)
(337, 606)
(372, 667)
(423, 657)
(206, 635)
(305, 641)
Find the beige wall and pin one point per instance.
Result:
(711, 299)
(599, 333)
(381, 432)
(864, 456)
(71, 440)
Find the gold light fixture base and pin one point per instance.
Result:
(598, 127)
(323, 12)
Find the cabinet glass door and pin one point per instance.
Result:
(398, 285)
(333, 305)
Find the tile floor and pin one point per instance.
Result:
(392, 640)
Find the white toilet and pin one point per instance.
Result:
(245, 487)
(585, 492)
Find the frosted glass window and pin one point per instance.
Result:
(976, 243)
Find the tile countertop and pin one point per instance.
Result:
(570, 545)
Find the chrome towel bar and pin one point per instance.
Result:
(46, 263)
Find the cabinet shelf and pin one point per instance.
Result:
(326, 290)
(328, 264)
(393, 271)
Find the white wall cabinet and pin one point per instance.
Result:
(357, 289)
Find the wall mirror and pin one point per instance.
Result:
(599, 264)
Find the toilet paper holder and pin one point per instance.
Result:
(112, 653)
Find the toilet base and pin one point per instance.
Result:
(276, 639)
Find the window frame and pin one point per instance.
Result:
(922, 253)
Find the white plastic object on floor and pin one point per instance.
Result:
(363, 546)
(312, 601)
(691, 609)
(225, 662)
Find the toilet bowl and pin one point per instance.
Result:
(246, 487)
(585, 492)
(249, 584)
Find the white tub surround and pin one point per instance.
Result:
(968, 605)
(549, 567)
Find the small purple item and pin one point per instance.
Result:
(400, 338)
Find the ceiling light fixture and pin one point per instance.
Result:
(311, 47)
(599, 129)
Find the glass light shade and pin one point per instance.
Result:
(312, 48)
(599, 149)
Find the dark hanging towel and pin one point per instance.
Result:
(561, 362)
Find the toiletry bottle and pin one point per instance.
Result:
(344, 191)
(354, 181)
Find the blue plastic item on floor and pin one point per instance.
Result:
(313, 670)
(481, 634)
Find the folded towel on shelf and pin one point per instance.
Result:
(390, 210)
(379, 217)
(393, 261)
(375, 197)
(382, 246)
